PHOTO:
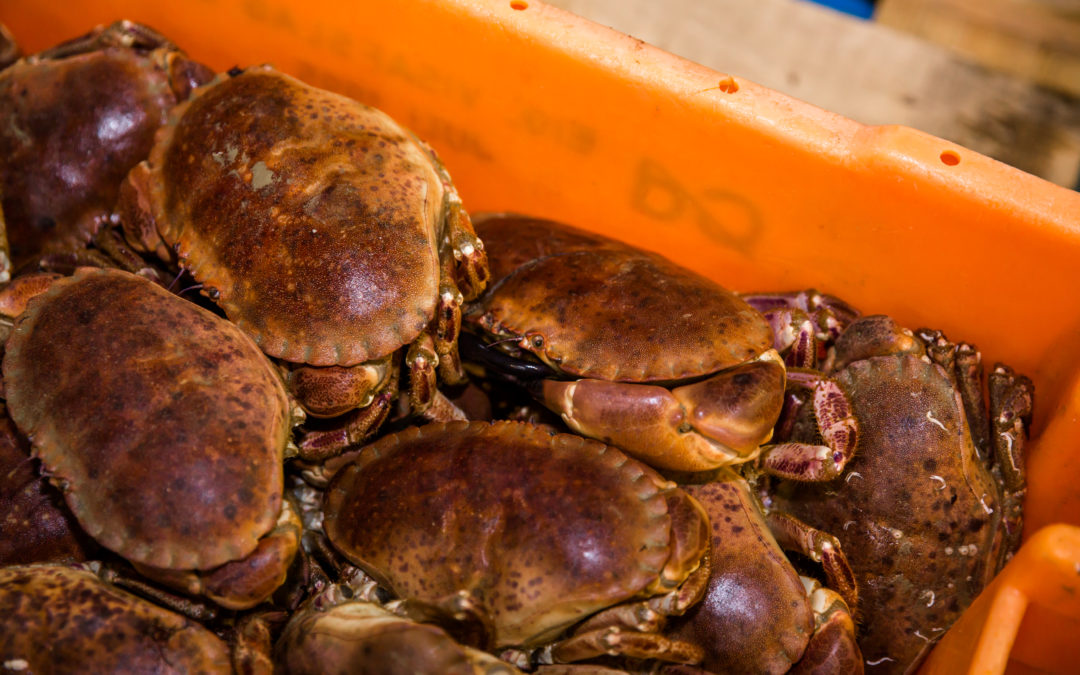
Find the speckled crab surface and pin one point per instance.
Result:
(929, 508)
(56, 619)
(74, 120)
(321, 227)
(524, 533)
(758, 615)
(634, 350)
(165, 428)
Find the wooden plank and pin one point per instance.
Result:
(1036, 39)
(870, 73)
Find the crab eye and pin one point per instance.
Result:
(538, 341)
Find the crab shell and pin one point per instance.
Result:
(758, 615)
(609, 311)
(537, 530)
(164, 425)
(755, 617)
(341, 203)
(916, 511)
(63, 620)
(632, 325)
(73, 121)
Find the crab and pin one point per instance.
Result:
(339, 631)
(324, 230)
(56, 619)
(929, 509)
(75, 119)
(165, 428)
(549, 546)
(631, 349)
(758, 614)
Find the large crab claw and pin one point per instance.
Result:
(722, 420)
(718, 421)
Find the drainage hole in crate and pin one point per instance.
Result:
(950, 158)
(519, 4)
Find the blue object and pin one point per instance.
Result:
(864, 9)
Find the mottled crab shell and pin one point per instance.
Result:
(73, 121)
(607, 310)
(540, 530)
(916, 511)
(754, 617)
(64, 620)
(343, 206)
(164, 425)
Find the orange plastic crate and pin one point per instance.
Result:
(538, 111)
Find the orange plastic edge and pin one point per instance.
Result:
(1031, 610)
(539, 111)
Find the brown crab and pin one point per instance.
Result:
(758, 615)
(56, 619)
(929, 508)
(165, 428)
(74, 120)
(520, 534)
(323, 229)
(634, 350)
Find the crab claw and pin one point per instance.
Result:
(839, 429)
(832, 647)
(716, 422)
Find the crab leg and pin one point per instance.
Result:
(969, 380)
(446, 327)
(963, 364)
(615, 641)
(471, 265)
(839, 429)
(66, 262)
(109, 242)
(794, 333)
(832, 647)
(794, 535)
(831, 314)
(189, 607)
(1011, 399)
(422, 361)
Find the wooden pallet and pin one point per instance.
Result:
(1036, 39)
(863, 70)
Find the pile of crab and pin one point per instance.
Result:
(274, 402)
